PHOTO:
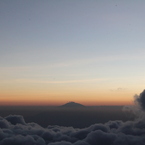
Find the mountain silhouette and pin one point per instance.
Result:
(72, 105)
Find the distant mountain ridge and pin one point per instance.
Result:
(72, 105)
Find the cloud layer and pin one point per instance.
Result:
(15, 131)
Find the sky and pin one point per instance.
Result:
(56, 51)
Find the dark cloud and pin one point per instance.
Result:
(16, 119)
(15, 131)
(100, 138)
(141, 100)
(3, 123)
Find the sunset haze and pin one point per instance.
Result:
(89, 52)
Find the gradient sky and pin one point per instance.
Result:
(88, 51)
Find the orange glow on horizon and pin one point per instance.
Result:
(59, 97)
(59, 100)
(52, 103)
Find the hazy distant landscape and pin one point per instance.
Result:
(67, 115)
(89, 52)
(73, 124)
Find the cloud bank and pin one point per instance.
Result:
(15, 131)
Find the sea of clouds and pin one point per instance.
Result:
(15, 131)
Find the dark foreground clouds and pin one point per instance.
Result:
(141, 100)
(15, 131)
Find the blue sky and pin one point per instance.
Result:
(96, 44)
